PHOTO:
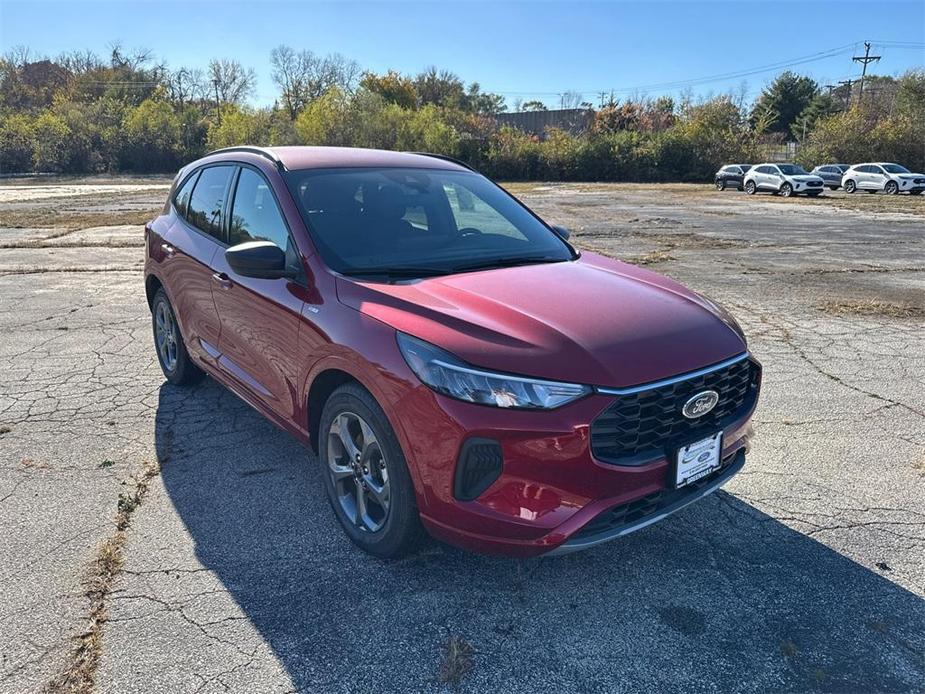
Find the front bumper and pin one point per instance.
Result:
(552, 492)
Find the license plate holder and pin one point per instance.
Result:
(698, 459)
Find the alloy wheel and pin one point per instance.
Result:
(786, 190)
(358, 470)
(892, 188)
(165, 335)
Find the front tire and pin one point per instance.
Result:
(850, 187)
(750, 188)
(366, 476)
(786, 190)
(720, 184)
(172, 355)
(891, 188)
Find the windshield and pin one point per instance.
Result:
(791, 170)
(895, 168)
(418, 222)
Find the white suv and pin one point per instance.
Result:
(890, 178)
(783, 179)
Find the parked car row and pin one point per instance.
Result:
(791, 179)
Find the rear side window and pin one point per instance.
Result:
(181, 199)
(208, 200)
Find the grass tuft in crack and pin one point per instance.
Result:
(79, 673)
(457, 660)
(871, 308)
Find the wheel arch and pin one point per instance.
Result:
(152, 284)
(321, 388)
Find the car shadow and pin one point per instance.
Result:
(720, 597)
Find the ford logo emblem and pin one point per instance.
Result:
(701, 403)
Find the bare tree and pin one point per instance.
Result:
(80, 62)
(303, 76)
(186, 85)
(231, 82)
(570, 99)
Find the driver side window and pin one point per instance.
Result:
(255, 216)
(471, 212)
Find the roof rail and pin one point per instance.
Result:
(444, 158)
(260, 151)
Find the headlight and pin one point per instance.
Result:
(450, 376)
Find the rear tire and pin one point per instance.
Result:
(891, 188)
(814, 193)
(366, 476)
(850, 187)
(720, 184)
(833, 187)
(172, 355)
(750, 188)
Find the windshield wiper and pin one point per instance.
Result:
(394, 273)
(511, 261)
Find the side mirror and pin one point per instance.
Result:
(562, 232)
(261, 259)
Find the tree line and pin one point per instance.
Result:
(127, 112)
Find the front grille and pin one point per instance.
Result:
(814, 184)
(919, 180)
(643, 426)
(638, 510)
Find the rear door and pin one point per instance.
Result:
(189, 248)
(260, 317)
(865, 177)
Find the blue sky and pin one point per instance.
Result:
(523, 50)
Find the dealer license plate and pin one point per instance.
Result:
(698, 459)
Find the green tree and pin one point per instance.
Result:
(786, 97)
(822, 106)
(151, 133)
(393, 87)
(51, 143)
(15, 143)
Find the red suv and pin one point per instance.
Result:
(456, 365)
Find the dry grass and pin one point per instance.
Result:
(79, 673)
(457, 660)
(871, 308)
(659, 255)
(72, 220)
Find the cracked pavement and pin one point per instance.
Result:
(805, 573)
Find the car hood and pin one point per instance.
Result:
(910, 176)
(805, 178)
(594, 320)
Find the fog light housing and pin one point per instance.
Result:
(479, 465)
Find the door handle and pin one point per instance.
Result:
(169, 250)
(223, 280)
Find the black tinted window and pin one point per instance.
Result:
(402, 219)
(255, 216)
(208, 200)
(181, 199)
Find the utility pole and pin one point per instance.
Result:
(602, 95)
(864, 60)
(847, 85)
(218, 106)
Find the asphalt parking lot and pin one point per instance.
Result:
(162, 539)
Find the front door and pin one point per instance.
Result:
(260, 318)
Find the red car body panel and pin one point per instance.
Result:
(593, 321)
